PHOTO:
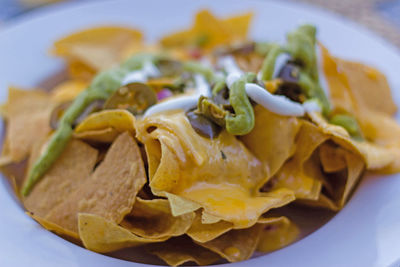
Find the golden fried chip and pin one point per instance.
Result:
(276, 234)
(180, 205)
(354, 86)
(106, 135)
(238, 26)
(322, 202)
(332, 157)
(219, 175)
(54, 227)
(355, 167)
(98, 48)
(153, 219)
(101, 235)
(68, 91)
(118, 119)
(272, 139)
(101, 195)
(377, 158)
(28, 116)
(178, 251)
(364, 93)
(208, 218)
(201, 232)
(209, 31)
(79, 71)
(293, 175)
(236, 245)
(70, 170)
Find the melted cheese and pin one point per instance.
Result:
(192, 167)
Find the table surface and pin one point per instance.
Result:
(381, 16)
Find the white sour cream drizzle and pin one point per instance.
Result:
(148, 70)
(182, 102)
(278, 104)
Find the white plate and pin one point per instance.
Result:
(365, 233)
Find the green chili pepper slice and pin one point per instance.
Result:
(242, 122)
(135, 97)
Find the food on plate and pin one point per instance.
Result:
(194, 147)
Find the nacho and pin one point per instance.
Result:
(209, 31)
(273, 139)
(100, 195)
(178, 251)
(120, 120)
(68, 90)
(68, 173)
(101, 235)
(204, 232)
(222, 186)
(97, 48)
(293, 174)
(277, 234)
(239, 245)
(225, 139)
(28, 119)
(153, 219)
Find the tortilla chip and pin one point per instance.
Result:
(53, 227)
(377, 158)
(106, 135)
(277, 234)
(380, 128)
(236, 245)
(193, 168)
(101, 235)
(208, 218)
(332, 157)
(15, 173)
(118, 119)
(202, 232)
(293, 175)
(365, 94)
(79, 71)
(68, 91)
(28, 120)
(354, 86)
(209, 27)
(322, 202)
(100, 195)
(178, 251)
(70, 170)
(98, 48)
(180, 205)
(209, 31)
(272, 139)
(355, 168)
(238, 26)
(153, 219)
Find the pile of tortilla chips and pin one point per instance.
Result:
(123, 181)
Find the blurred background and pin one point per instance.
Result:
(381, 16)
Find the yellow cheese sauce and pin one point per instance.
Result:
(219, 174)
